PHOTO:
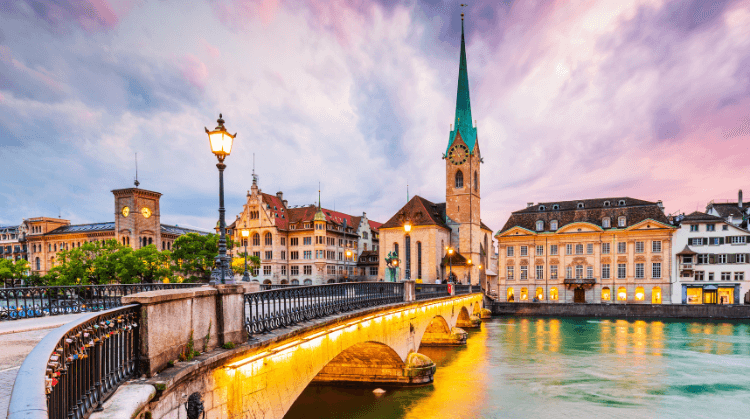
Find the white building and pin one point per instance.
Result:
(735, 213)
(711, 261)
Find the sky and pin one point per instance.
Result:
(572, 100)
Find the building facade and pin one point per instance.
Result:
(305, 245)
(13, 242)
(610, 250)
(735, 213)
(712, 261)
(445, 241)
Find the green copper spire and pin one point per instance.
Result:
(463, 123)
(319, 216)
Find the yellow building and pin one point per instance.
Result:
(608, 250)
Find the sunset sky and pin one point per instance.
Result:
(573, 100)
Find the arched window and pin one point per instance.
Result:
(524, 294)
(606, 222)
(150, 240)
(539, 225)
(256, 239)
(621, 203)
(655, 295)
(580, 205)
(128, 240)
(553, 225)
(308, 282)
(395, 248)
(511, 297)
(539, 294)
(556, 207)
(267, 281)
(640, 294)
(476, 182)
(419, 259)
(459, 179)
(542, 208)
(38, 264)
(169, 245)
(331, 281)
(284, 282)
(268, 239)
(621, 221)
(622, 295)
(295, 281)
(606, 203)
(606, 294)
(553, 294)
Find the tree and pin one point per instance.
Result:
(238, 264)
(152, 265)
(92, 263)
(194, 254)
(13, 270)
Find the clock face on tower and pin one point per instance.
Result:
(146, 212)
(458, 154)
(125, 211)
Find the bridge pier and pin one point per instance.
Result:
(372, 362)
(456, 337)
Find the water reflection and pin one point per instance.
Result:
(567, 367)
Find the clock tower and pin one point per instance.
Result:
(137, 217)
(462, 176)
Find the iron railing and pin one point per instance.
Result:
(426, 291)
(25, 302)
(269, 310)
(76, 367)
(462, 289)
(266, 287)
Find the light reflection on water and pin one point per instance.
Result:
(567, 367)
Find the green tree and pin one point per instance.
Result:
(238, 264)
(152, 265)
(194, 254)
(11, 270)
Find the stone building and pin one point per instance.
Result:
(735, 213)
(589, 251)
(302, 245)
(137, 224)
(13, 242)
(454, 226)
(711, 261)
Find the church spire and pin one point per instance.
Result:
(463, 121)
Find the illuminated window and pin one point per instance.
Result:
(539, 293)
(656, 295)
(553, 272)
(553, 294)
(511, 297)
(510, 273)
(726, 296)
(524, 294)
(622, 295)
(606, 295)
(694, 295)
(640, 294)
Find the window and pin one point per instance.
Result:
(539, 271)
(590, 248)
(319, 239)
(476, 182)
(568, 249)
(509, 273)
(579, 249)
(524, 294)
(307, 225)
(524, 250)
(307, 241)
(539, 225)
(308, 269)
(555, 207)
(694, 227)
(606, 294)
(639, 270)
(700, 275)
(656, 295)
(605, 271)
(256, 239)
(568, 272)
(320, 254)
(725, 227)
(656, 270)
(365, 235)
(553, 272)
(589, 272)
(640, 294)
(698, 241)
(721, 259)
(715, 241)
(419, 259)
(524, 272)
(283, 255)
(621, 271)
(294, 255)
(283, 269)
(269, 255)
(553, 225)
(307, 254)
(710, 276)
(622, 247)
(580, 205)
(283, 241)
(621, 222)
(579, 271)
(395, 248)
(639, 247)
(738, 239)
(606, 222)
(38, 264)
(540, 250)
(621, 203)
(295, 270)
(255, 270)
(256, 254)
(294, 241)
(308, 281)
(726, 276)
(511, 297)
(539, 294)
(266, 269)
(553, 250)
(605, 248)
(738, 276)
(622, 295)
(269, 239)
(459, 179)
(509, 251)
(710, 227)
(740, 258)
(606, 203)
(373, 270)
(656, 246)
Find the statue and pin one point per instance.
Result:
(194, 406)
(392, 262)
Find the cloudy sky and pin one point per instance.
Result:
(573, 99)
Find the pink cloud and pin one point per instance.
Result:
(194, 70)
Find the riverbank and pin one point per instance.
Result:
(672, 311)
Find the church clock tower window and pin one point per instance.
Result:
(459, 179)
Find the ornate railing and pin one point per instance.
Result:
(426, 291)
(75, 367)
(269, 310)
(25, 302)
(462, 289)
(266, 287)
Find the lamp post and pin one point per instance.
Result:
(221, 145)
(346, 263)
(450, 261)
(245, 238)
(407, 248)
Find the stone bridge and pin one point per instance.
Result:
(263, 378)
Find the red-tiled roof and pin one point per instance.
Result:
(420, 212)
(275, 207)
(284, 216)
(374, 225)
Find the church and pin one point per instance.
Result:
(431, 242)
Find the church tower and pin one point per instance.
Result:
(463, 172)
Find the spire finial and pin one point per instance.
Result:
(319, 196)
(136, 183)
(463, 119)
(462, 15)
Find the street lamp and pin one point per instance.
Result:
(450, 259)
(221, 145)
(245, 238)
(346, 263)
(407, 245)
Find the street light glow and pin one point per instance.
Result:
(245, 233)
(407, 227)
(220, 140)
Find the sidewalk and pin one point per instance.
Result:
(37, 323)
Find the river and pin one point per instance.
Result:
(526, 367)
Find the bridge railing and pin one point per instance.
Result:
(26, 302)
(75, 367)
(427, 291)
(269, 310)
(462, 289)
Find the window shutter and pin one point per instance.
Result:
(732, 258)
(711, 258)
(721, 240)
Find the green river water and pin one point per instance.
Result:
(526, 367)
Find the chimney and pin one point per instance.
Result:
(285, 202)
(529, 204)
(660, 205)
(739, 199)
(280, 195)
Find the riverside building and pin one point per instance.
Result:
(607, 250)
(712, 260)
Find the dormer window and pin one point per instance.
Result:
(553, 225)
(580, 205)
(621, 222)
(606, 203)
(542, 208)
(539, 225)
(556, 207)
(606, 222)
(621, 203)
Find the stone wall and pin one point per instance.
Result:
(624, 310)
